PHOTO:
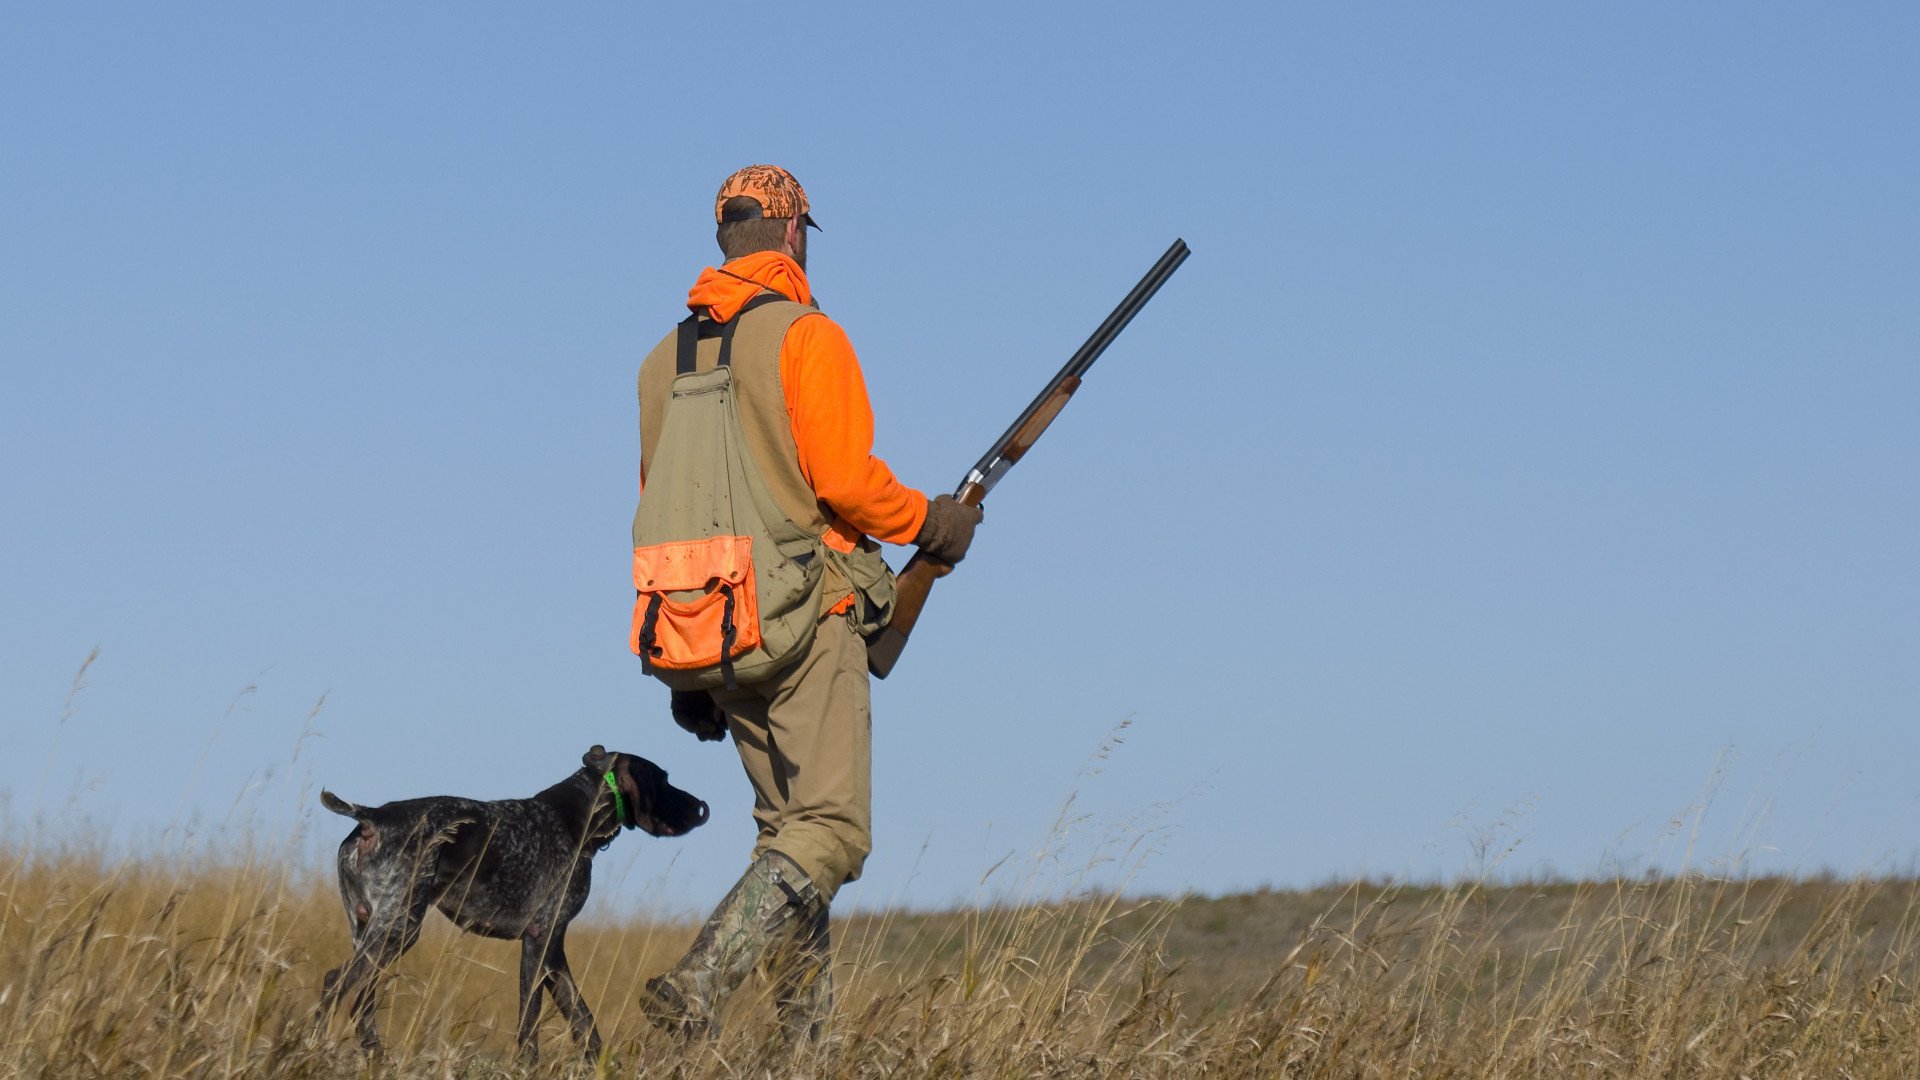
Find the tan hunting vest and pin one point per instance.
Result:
(763, 410)
(676, 621)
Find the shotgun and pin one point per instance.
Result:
(916, 578)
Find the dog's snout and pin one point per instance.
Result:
(701, 819)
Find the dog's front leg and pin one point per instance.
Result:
(567, 997)
(533, 977)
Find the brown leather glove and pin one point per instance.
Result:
(948, 530)
(695, 711)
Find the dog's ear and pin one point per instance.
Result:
(597, 759)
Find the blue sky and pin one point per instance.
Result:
(1525, 456)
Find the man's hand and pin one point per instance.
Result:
(695, 711)
(948, 530)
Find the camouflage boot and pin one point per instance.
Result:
(805, 995)
(766, 908)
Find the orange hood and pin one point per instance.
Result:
(725, 290)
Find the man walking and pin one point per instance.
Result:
(803, 729)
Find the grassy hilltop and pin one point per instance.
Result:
(170, 970)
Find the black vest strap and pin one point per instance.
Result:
(648, 627)
(697, 327)
(728, 634)
(685, 344)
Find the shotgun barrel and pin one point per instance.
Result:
(1008, 449)
(916, 579)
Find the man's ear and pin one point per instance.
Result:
(790, 243)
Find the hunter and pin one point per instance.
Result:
(782, 535)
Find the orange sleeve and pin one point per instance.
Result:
(832, 418)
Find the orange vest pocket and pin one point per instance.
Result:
(695, 604)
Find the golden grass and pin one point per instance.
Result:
(206, 968)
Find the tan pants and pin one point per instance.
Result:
(806, 740)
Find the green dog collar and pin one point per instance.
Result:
(619, 804)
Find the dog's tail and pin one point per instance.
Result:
(339, 805)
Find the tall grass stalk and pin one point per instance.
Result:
(211, 967)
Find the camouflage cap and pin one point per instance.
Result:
(774, 188)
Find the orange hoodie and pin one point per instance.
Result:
(826, 399)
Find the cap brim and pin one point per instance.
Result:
(811, 224)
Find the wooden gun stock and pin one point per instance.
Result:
(911, 587)
(916, 579)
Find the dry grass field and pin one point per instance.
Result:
(202, 968)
